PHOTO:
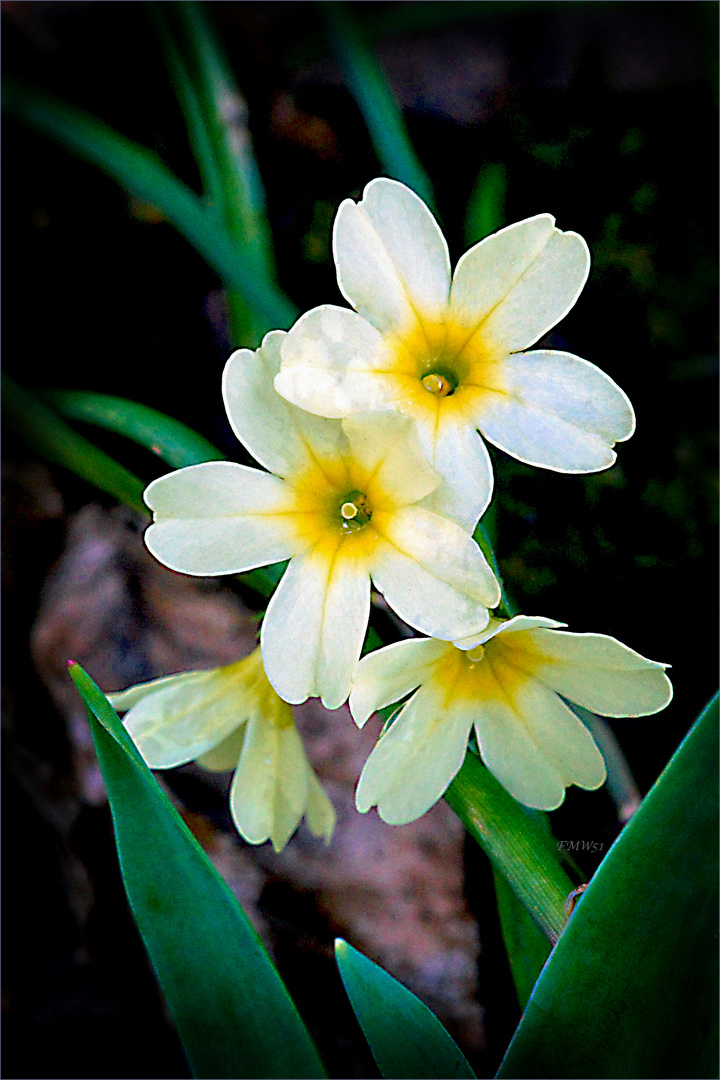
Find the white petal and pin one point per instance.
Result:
(503, 626)
(598, 672)
(282, 437)
(433, 574)
(535, 746)
(186, 717)
(314, 627)
(416, 759)
(391, 257)
(388, 674)
(270, 789)
(457, 452)
(330, 363)
(518, 283)
(557, 411)
(221, 518)
(389, 464)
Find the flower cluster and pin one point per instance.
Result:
(369, 425)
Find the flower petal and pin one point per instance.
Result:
(283, 438)
(534, 744)
(416, 759)
(313, 629)
(270, 789)
(188, 715)
(391, 257)
(432, 573)
(330, 363)
(518, 283)
(225, 756)
(457, 452)
(501, 626)
(320, 815)
(221, 518)
(597, 672)
(389, 464)
(555, 410)
(388, 674)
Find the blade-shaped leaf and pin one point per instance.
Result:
(143, 174)
(231, 1009)
(174, 442)
(48, 434)
(406, 1038)
(516, 842)
(526, 945)
(631, 988)
(371, 90)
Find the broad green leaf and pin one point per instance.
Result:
(630, 990)
(174, 442)
(143, 174)
(406, 1039)
(516, 842)
(371, 90)
(485, 211)
(231, 1009)
(48, 434)
(527, 947)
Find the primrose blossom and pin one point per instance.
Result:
(505, 683)
(342, 507)
(448, 351)
(231, 718)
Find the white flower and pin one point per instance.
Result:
(448, 353)
(505, 682)
(343, 506)
(231, 718)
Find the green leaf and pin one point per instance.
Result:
(527, 947)
(374, 97)
(231, 1009)
(46, 433)
(406, 1039)
(171, 440)
(144, 175)
(485, 212)
(516, 841)
(631, 988)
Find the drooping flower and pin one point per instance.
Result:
(449, 352)
(505, 683)
(343, 507)
(231, 718)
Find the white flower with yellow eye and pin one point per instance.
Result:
(447, 352)
(505, 683)
(231, 718)
(343, 507)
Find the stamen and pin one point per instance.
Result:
(437, 384)
(349, 511)
(355, 512)
(477, 653)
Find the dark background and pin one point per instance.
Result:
(604, 115)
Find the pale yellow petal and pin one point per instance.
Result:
(391, 257)
(186, 717)
(597, 672)
(320, 815)
(556, 411)
(270, 789)
(122, 700)
(389, 464)
(283, 438)
(388, 674)
(329, 359)
(432, 573)
(518, 283)
(415, 760)
(221, 518)
(534, 744)
(224, 756)
(457, 452)
(313, 630)
(504, 626)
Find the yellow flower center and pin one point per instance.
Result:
(438, 384)
(355, 511)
